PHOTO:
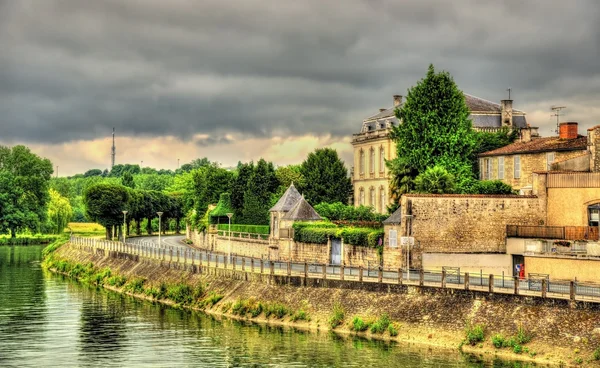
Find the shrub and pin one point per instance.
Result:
(499, 341)
(337, 317)
(116, 281)
(492, 187)
(240, 308)
(358, 324)
(100, 277)
(276, 309)
(392, 330)
(135, 285)
(300, 315)
(517, 349)
(596, 354)
(436, 180)
(183, 293)
(381, 324)
(252, 229)
(226, 307)
(474, 333)
(523, 336)
(212, 299)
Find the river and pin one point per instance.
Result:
(49, 320)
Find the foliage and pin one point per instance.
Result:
(339, 211)
(392, 330)
(517, 349)
(116, 281)
(337, 317)
(326, 177)
(488, 141)
(320, 232)
(435, 180)
(127, 180)
(358, 324)
(24, 183)
(596, 354)
(86, 229)
(120, 170)
(59, 212)
(381, 324)
(135, 285)
(474, 333)
(27, 240)
(212, 299)
(300, 315)
(239, 185)
(499, 341)
(275, 309)
(222, 209)
(490, 187)
(104, 204)
(523, 336)
(261, 185)
(435, 130)
(52, 247)
(182, 293)
(252, 229)
(402, 176)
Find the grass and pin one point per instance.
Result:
(358, 324)
(337, 317)
(381, 324)
(300, 315)
(28, 239)
(86, 229)
(523, 336)
(116, 281)
(135, 285)
(499, 341)
(392, 330)
(474, 333)
(276, 309)
(596, 354)
(212, 299)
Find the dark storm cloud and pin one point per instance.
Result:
(72, 70)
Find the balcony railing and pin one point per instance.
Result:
(553, 232)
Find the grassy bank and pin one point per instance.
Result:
(28, 240)
(511, 331)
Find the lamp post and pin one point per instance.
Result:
(229, 215)
(159, 227)
(124, 225)
(409, 233)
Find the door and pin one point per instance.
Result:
(336, 251)
(518, 265)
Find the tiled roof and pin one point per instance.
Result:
(548, 144)
(287, 200)
(394, 218)
(302, 211)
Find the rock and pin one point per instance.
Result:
(577, 339)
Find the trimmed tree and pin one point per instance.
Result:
(435, 130)
(261, 185)
(104, 204)
(326, 177)
(436, 180)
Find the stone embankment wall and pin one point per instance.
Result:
(429, 315)
(466, 223)
(290, 250)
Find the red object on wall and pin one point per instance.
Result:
(522, 272)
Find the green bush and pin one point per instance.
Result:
(116, 281)
(381, 324)
(100, 277)
(392, 330)
(276, 309)
(320, 232)
(499, 341)
(338, 211)
(596, 354)
(523, 336)
(474, 333)
(183, 293)
(517, 349)
(240, 308)
(28, 240)
(337, 317)
(212, 299)
(358, 324)
(252, 229)
(135, 285)
(300, 315)
(492, 187)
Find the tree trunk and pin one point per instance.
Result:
(120, 233)
(177, 220)
(108, 230)
(138, 226)
(149, 227)
(13, 232)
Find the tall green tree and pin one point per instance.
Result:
(24, 184)
(59, 212)
(326, 177)
(239, 185)
(104, 204)
(127, 180)
(262, 184)
(435, 180)
(435, 129)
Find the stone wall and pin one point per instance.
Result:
(594, 148)
(466, 223)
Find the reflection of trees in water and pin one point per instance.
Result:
(102, 333)
(22, 292)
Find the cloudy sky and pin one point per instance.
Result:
(240, 80)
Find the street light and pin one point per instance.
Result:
(124, 225)
(409, 233)
(159, 220)
(229, 215)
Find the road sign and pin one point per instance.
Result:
(407, 241)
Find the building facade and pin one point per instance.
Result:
(373, 146)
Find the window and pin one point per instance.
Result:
(372, 197)
(393, 238)
(501, 168)
(488, 170)
(361, 197)
(381, 199)
(594, 214)
(372, 161)
(481, 166)
(549, 160)
(381, 159)
(517, 166)
(361, 162)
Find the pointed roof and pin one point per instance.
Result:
(287, 200)
(302, 211)
(395, 218)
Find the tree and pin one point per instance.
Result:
(93, 172)
(239, 185)
(104, 204)
(24, 184)
(127, 181)
(436, 180)
(326, 177)
(435, 129)
(59, 212)
(261, 185)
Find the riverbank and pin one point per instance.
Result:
(560, 334)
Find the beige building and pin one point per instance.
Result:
(373, 146)
(515, 164)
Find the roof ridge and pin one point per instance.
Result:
(482, 99)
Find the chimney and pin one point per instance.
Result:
(568, 130)
(382, 110)
(397, 100)
(594, 148)
(507, 112)
(529, 133)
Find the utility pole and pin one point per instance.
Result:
(177, 164)
(556, 110)
(57, 171)
(113, 152)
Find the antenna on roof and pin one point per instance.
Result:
(509, 89)
(556, 110)
(113, 151)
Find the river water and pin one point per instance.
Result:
(49, 320)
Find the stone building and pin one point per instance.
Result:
(289, 208)
(373, 146)
(515, 164)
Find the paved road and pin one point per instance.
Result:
(174, 241)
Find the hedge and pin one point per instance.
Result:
(252, 229)
(320, 232)
(28, 240)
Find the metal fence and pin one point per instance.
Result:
(534, 285)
